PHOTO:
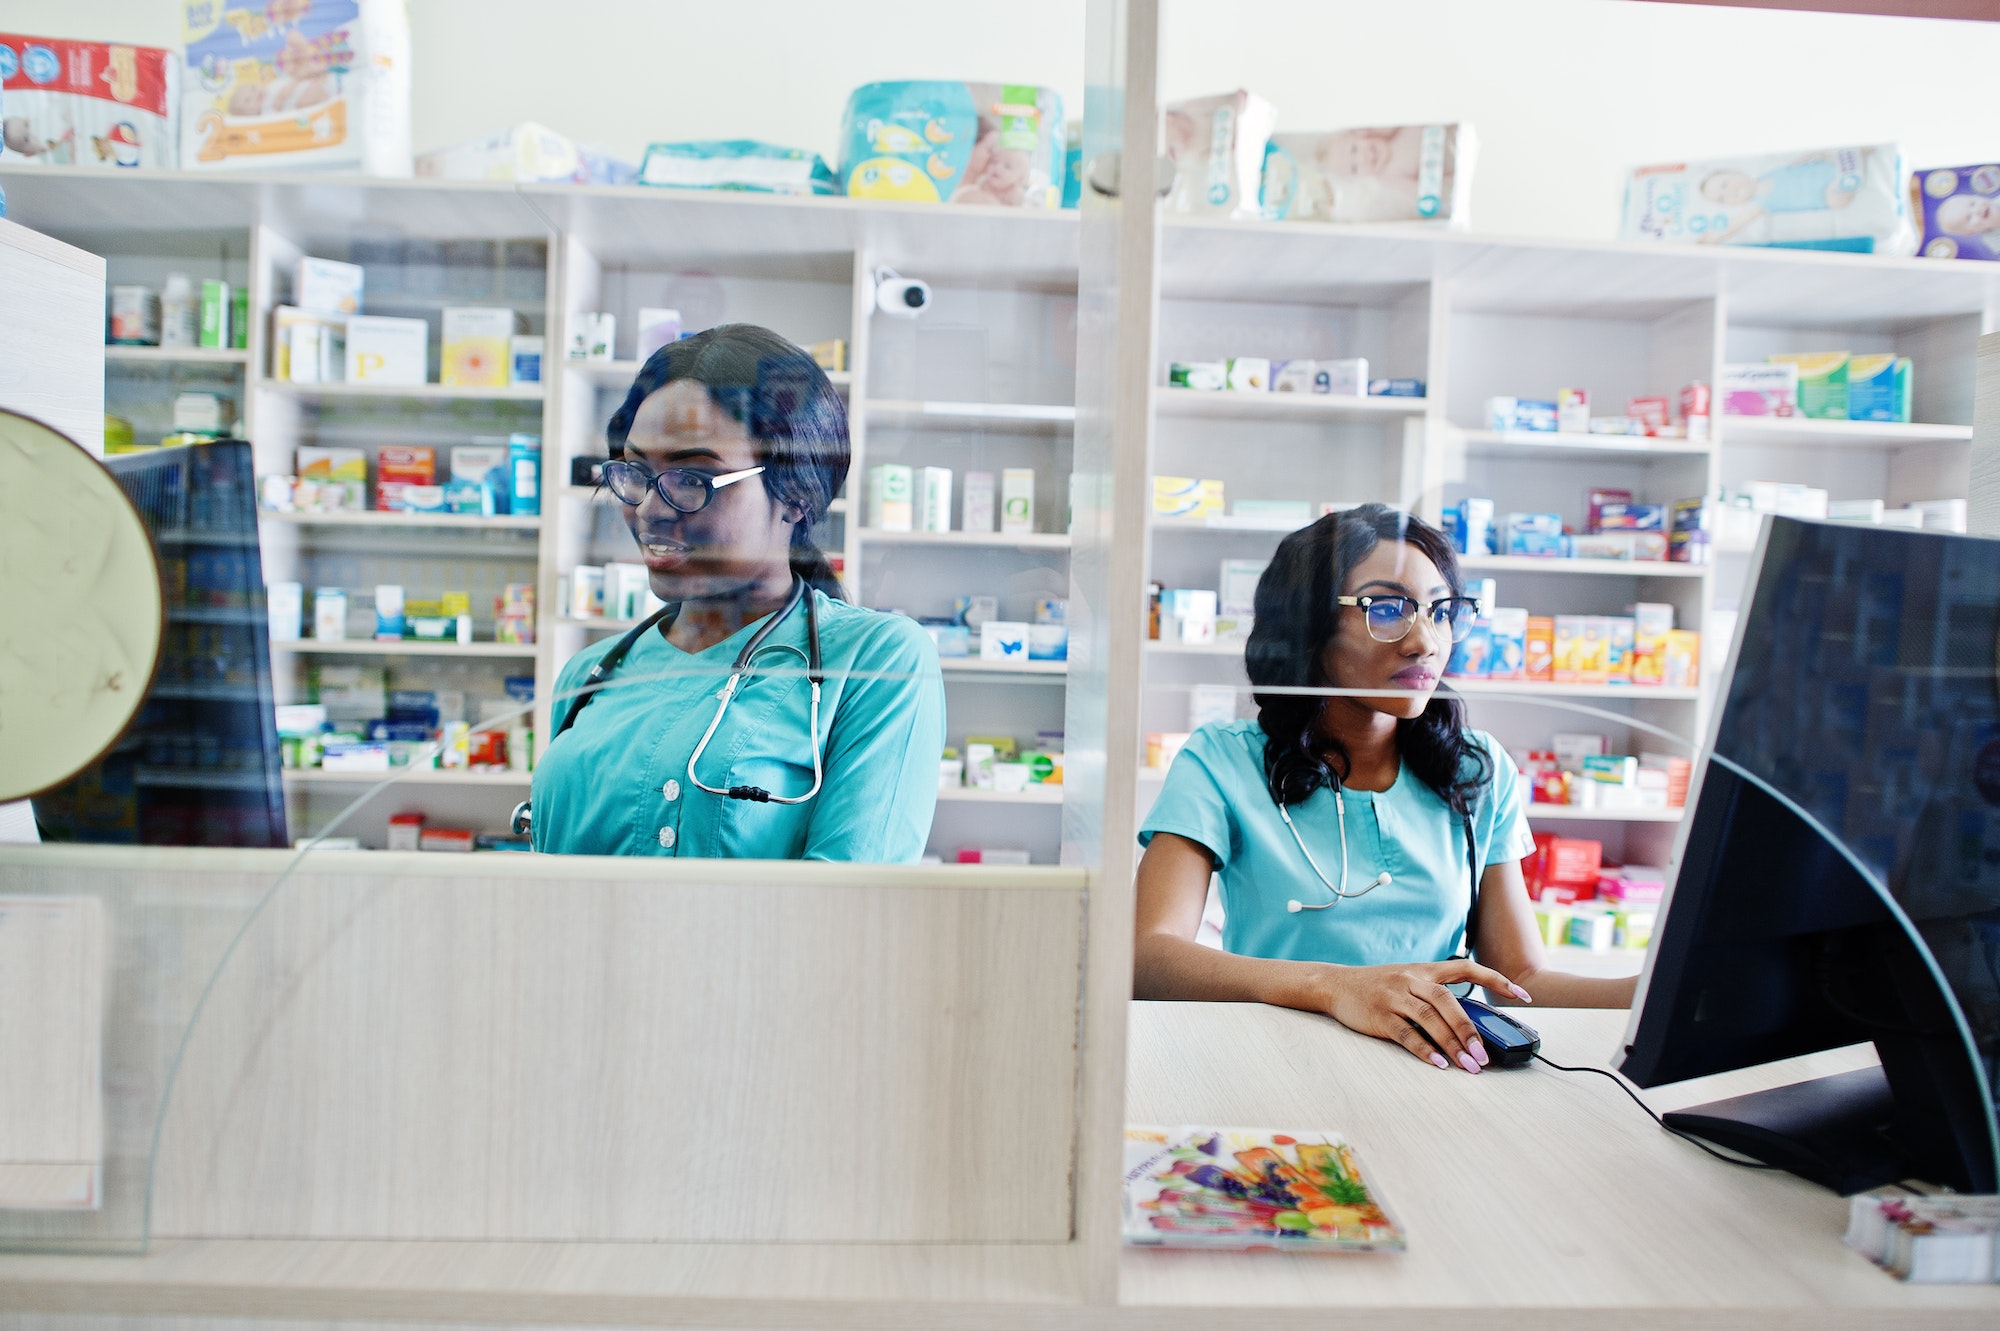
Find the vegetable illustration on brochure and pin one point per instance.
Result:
(1199, 1187)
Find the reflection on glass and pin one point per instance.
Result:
(754, 713)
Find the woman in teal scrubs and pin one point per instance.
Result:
(1346, 830)
(725, 454)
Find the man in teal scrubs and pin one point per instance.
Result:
(727, 450)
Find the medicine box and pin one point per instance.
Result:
(1297, 376)
(477, 346)
(307, 348)
(1003, 640)
(1186, 497)
(1822, 386)
(891, 501)
(524, 478)
(1631, 517)
(1048, 642)
(1521, 414)
(933, 498)
(1566, 660)
(389, 612)
(1017, 500)
(1770, 389)
(1878, 388)
(978, 502)
(524, 360)
(1208, 376)
(1248, 374)
(1508, 627)
(329, 615)
(1572, 411)
(215, 303)
(386, 351)
(327, 286)
(399, 467)
(657, 328)
(1238, 594)
(586, 592)
(626, 589)
(286, 602)
(344, 470)
(1535, 534)
(1472, 655)
(1538, 656)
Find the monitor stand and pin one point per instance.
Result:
(1834, 1131)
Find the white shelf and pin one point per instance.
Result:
(1615, 568)
(973, 669)
(1573, 813)
(1044, 795)
(407, 647)
(1522, 688)
(1035, 540)
(401, 521)
(427, 776)
(200, 778)
(1804, 431)
(1242, 406)
(1163, 647)
(1030, 417)
(418, 392)
(115, 352)
(1227, 525)
(621, 373)
(1540, 444)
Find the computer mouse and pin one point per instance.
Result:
(1509, 1043)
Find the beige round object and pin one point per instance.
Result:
(80, 610)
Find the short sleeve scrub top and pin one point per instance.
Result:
(616, 782)
(1215, 795)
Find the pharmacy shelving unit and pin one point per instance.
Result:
(985, 380)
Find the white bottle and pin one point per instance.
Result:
(180, 311)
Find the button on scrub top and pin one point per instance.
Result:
(1215, 795)
(616, 782)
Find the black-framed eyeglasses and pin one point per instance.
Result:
(1390, 617)
(685, 489)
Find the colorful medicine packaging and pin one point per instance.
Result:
(89, 104)
(1760, 389)
(1957, 209)
(327, 286)
(398, 467)
(933, 141)
(1507, 414)
(1187, 497)
(1851, 198)
(891, 497)
(476, 345)
(1878, 388)
(1017, 500)
(328, 87)
(1386, 173)
(1822, 389)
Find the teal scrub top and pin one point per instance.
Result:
(1215, 795)
(616, 782)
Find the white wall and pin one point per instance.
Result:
(1566, 94)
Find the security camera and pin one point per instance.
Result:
(904, 297)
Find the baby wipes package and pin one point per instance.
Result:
(747, 165)
(87, 103)
(930, 141)
(1848, 198)
(1392, 173)
(1217, 145)
(292, 83)
(1957, 209)
(525, 152)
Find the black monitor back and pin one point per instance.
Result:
(1863, 691)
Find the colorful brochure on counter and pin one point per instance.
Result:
(1198, 1187)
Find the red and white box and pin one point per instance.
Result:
(65, 103)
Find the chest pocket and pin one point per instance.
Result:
(764, 742)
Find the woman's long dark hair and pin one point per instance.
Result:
(1297, 617)
(794, 416)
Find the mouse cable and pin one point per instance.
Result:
(1689, 1137)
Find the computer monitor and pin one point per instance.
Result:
(1864, 688)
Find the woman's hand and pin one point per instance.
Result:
(1410, 1005)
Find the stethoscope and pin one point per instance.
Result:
(745, 665)
(1340, 893)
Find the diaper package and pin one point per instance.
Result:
(525, 152)
(746, 165)
(930, 141)
(296, 83)
(1956, 207)
(86, 103)
(1393, 173)
(1217, 145)
(1850, 198)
